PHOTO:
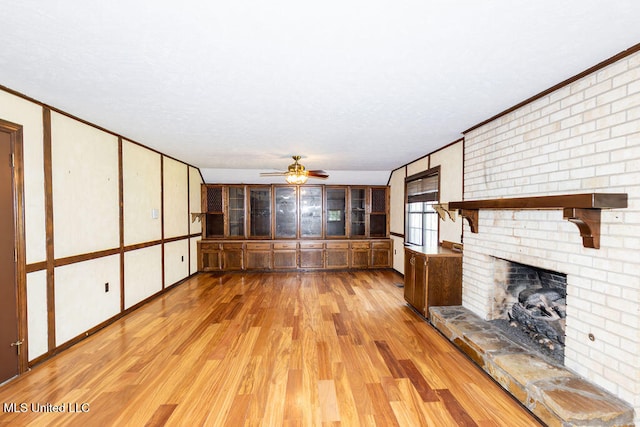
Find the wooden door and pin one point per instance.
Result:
(9, 337)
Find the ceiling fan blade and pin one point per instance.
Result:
(272, 173)
(318, 174)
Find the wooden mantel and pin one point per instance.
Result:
(580, 209)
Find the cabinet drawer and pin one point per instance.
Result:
(360, 245)
(287, 245)
(232, 246)
(381, 245)
(311, 245)
(259, 246)
(342, 245)
(207, 246)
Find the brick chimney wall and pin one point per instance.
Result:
(581, 138)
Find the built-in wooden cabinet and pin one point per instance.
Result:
(213, 209)
(432, 277)
(236, 203)
(311, 255)
(337, 254)
(294, 254)
(335, 215)
(260, 212)
(288, 227)
(311, 208)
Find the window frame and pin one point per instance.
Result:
(427, 199)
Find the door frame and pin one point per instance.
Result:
(15, 136)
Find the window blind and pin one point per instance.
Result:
(423, 189)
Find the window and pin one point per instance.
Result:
(421, 218)
(422, 224)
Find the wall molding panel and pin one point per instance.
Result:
(95, 205)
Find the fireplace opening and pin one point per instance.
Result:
(530, 307)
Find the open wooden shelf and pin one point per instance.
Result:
(580, 209)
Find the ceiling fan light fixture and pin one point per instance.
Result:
(297, 174)
(296, 177)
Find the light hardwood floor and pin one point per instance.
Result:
(274, 349)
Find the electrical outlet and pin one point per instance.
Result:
(106, 287)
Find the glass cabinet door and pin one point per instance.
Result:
(212, 197)
(286, 212)
(378, 216)
(235, 206)
(358, 212)
(260, 211)
(310, 211)
(336, 209)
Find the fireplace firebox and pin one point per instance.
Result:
(530, 306)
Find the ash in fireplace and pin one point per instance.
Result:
(523, 336)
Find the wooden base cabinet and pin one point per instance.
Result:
(294, 255)
(432, 277)
(337, 255)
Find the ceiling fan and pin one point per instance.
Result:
(297, 174)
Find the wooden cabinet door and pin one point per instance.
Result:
(236, 212)
(378, 224)
(358, 212)
(310, 212)
(381, 254)
(409, 277)
(285, 255)
(232, 256)
(336, 209)
(210, 256)
(445, 281)
(421, 283)
(260, 212)
(337, 255)
(311, 255)
(258, 256)
(360, 254)
(213, 208)
(286, 212)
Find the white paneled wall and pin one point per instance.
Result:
(85, 177)
(29, 115)
(176, 195)
(450, 160)
(142, 194)
(142, 274)
(81, 301)
(85, 187)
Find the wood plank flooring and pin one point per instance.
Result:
(276, 349)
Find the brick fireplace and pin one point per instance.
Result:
(582, 137)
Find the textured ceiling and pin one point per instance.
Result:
(358, 88)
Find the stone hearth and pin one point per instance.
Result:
(553, 393)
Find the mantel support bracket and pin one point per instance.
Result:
(588, 222)
(472, 217)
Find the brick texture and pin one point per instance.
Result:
(584, 137)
